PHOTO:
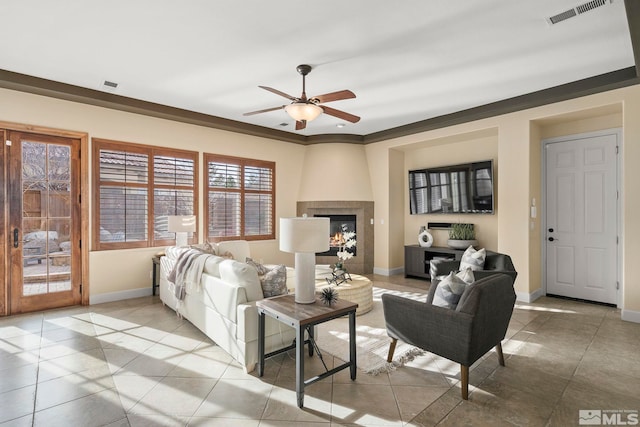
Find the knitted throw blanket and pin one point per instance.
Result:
(187, 272)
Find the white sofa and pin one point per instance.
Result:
(222, 304)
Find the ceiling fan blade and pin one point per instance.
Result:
(277, 92)
(301, 124)
(335, 96)
(266, 110)
(340, 114)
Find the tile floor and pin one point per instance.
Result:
(134, 363)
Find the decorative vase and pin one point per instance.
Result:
(461, 244)
(425, 239)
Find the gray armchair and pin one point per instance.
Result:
(463, 335)
(493, 263)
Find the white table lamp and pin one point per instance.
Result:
(304, 237)
(181, 225)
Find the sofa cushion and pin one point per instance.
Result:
(473, 259)
(448, 291)
(242, 275)
(212, 265)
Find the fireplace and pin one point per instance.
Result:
(337, 225)
(356, 214)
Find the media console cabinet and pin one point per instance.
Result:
(417, 259)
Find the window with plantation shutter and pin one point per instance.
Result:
(137, 187)
(240, 196)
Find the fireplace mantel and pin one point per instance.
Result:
(362, 263)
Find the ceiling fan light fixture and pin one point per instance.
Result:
(300, 111)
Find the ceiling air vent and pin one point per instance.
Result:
(575, 11)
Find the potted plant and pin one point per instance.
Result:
(461, 236)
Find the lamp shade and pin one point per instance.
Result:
(303, 111)
(182, 223)
(304, 234)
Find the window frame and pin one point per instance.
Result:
(150, 186)
(242, 162)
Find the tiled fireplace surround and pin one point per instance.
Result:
(362, 263)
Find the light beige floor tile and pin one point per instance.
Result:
(26, 421)
(561, 356)
(52, 350)
(18, 377)
(17, 403)
(468, 414)
(587, 397)
(174, 396)
(236, 399)
(157, 363)
(132, 388)
(365, 405)
(70, 364)
(94, 410)
(73, 386)
(412, 400)
(283, 405)
(223, 422)
(146, 420)
(200, 365)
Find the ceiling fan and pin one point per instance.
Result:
(304, 109)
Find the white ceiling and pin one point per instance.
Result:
(406, 61)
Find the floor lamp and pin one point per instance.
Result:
(181, 225)
(304, 236)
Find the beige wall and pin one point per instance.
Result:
(442, 153)
(378, 173)
(127, 270)
(519, 138)
(335, 172)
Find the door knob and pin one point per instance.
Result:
(15, 237)
(551, 230)
(551, 239)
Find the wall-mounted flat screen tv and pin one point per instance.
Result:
(464, 188)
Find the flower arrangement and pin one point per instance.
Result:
(346, 248)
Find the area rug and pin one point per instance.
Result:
(372, 341)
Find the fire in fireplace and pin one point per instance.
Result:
(338, 224)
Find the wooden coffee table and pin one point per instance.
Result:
(303, 317)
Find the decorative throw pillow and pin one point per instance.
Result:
(261, 268)
(473, 259)
(449, 291)
(273, 280)
(467, 276)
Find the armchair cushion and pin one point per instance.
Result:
(494, 263)
(449, 290)
(473, 259)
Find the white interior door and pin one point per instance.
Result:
(581, 218)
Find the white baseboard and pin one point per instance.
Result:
(120, 295)
(387, 271)
(525, 297)
(630, 316)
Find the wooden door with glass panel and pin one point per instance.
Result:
(44, 222)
